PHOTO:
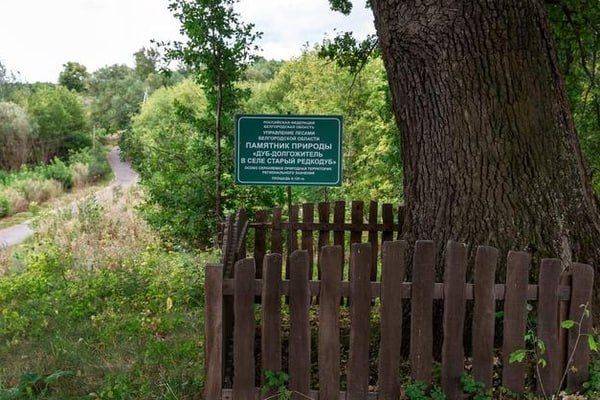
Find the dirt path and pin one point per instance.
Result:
(125, 176)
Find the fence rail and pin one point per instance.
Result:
(241, 288)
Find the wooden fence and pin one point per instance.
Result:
(232, 293)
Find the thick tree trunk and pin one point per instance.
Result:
(491, 155)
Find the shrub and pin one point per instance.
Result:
(80, 174)
(18, 203)
(60, 172)
(98, 170)
(97, 294)
(39, 190)
(171, 144)
(15, 136)
(5, 206)
(60, 121)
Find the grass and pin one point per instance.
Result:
(96, 307)
(26, 190)
(62, 200)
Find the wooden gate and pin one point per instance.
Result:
(234, 294)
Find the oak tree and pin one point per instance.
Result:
(490, 151)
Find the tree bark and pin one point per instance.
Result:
(491, 155)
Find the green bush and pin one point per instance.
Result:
(60, 172)
(5, 206)
(39, 190)
(60, 120)
(171, 144)
(15, 136)
(130, 331)
(98, 170)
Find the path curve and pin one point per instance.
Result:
(125, 176)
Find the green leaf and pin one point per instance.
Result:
(592, 343)
(567, 324)
(517, 356)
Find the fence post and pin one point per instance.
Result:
(276, 236)
(308, 217)
(547, 330)
(329, 323)
(260, 241)
(243, 331)
(392, 275)
(360, 306)
(515, 318)
(421, 318)
(323, 233)
(454, 319)
(339, 217)
(484, 314)
(299, 325)
(579, 351)
(292, 239)
(271, 315)
(213, 331)
(373, 238)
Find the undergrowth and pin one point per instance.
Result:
(96, 307)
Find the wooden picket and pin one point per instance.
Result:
(314, 269)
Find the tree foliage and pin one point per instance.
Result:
(60, 122)
(146, 61)
(217, 50)
(116, 93)
(310, 85)
(576, 27)
(74, 76)
(172, 146)
(15, 136)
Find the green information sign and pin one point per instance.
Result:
(288, 150)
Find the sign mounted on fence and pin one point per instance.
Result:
(288, 150)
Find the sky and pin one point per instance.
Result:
(38, 36)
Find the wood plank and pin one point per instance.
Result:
(387, 214)
(315, 226)
(299, 325)
(547, 329)
(243, 330)
(484, 314)
(260, 242)
(421, 321)
(308, 215)
(373, 238)
(292, 238)
(563, 310)
(240, 233)
(393, 273)
(515, 318)
(213, 331)
(580, 312)
(314, 394)
(455, 273)
(276, 234)
(360, 307)
(405, 290)
(227, 244)
(228, 262)
(271, 316)
(339, 216)
(323, 232)
(329, 322)
(357, 213)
